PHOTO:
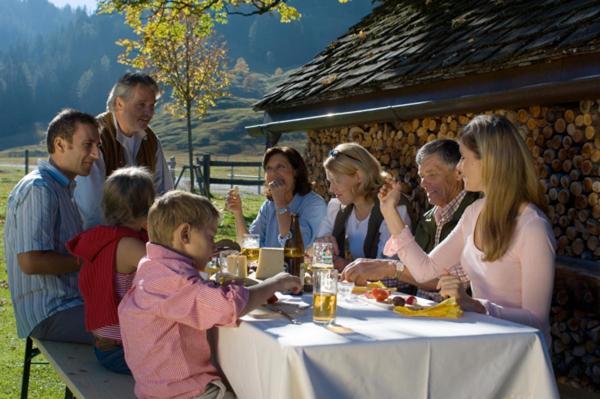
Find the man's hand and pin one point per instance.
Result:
(363, 269)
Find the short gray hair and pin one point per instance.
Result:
(127, 82)
(446, 149)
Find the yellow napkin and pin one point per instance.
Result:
(446, 309)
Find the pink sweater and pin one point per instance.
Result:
(516, 287)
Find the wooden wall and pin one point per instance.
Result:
(563, 140)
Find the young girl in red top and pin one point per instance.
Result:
(110, 255)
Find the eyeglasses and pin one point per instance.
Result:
(335, 153)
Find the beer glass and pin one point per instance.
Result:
(322, 255)
(251, 247)
(324, 295)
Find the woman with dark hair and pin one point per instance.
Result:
(288, 191)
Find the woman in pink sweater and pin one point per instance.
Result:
(503, 241)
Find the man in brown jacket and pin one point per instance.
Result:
(127, 140)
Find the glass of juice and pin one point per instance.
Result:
(324, 295)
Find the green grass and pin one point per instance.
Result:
(44, 382)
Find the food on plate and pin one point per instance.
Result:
(272, 299)
(398, 301)
(411, 300)
(379, 294)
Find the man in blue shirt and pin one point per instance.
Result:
(41, 217)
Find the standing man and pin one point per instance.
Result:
(40, 218)
(127, 140)
(443, 184)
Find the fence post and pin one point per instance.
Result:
(206, 170)
(26, 161)
(259, 177)
(172, 164)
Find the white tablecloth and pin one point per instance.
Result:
(385, 356)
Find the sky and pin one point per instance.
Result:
(90, 4)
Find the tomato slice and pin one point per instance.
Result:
(379, 294)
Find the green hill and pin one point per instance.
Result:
(221, 131)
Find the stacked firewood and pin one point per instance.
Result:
(575, 328)
(563, 140)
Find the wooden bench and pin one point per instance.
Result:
(78, 367)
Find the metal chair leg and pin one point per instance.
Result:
(30, 353)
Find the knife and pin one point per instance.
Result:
(281, 312)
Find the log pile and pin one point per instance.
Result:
(563, 140)
(575, 328)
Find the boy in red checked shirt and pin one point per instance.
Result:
(166, 314)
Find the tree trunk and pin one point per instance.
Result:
(188, 114)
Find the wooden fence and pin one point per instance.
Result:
(204, 179)
(203, 176)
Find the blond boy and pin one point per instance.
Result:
(166, 314)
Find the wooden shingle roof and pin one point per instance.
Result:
(405, 43)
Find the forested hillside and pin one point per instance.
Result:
(54, 58)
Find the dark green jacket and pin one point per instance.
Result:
(425, 231)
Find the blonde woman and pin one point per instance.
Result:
(503, 241)
(354, 224)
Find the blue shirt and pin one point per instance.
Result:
(41, 216)
(312, 211)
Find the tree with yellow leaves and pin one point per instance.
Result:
(185, 56)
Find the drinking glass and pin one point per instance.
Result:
(345, 290)
(251, 247)
(322, 255)
(324, 295)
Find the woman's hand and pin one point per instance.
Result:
(451, 286)
(389, 197)
(233, 202)
(278, 192)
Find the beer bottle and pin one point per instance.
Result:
(293, 252)
(347, 252)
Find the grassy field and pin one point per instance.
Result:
(44, 382)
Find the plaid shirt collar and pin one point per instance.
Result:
(443, 215)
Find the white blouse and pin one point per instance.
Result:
(356, 230)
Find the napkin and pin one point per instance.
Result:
(447, 309)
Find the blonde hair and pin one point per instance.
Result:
(509, 179)
(128, 195)
(350, 158)
(176, 207)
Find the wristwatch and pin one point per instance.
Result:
(283, 210)
(399, 266)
